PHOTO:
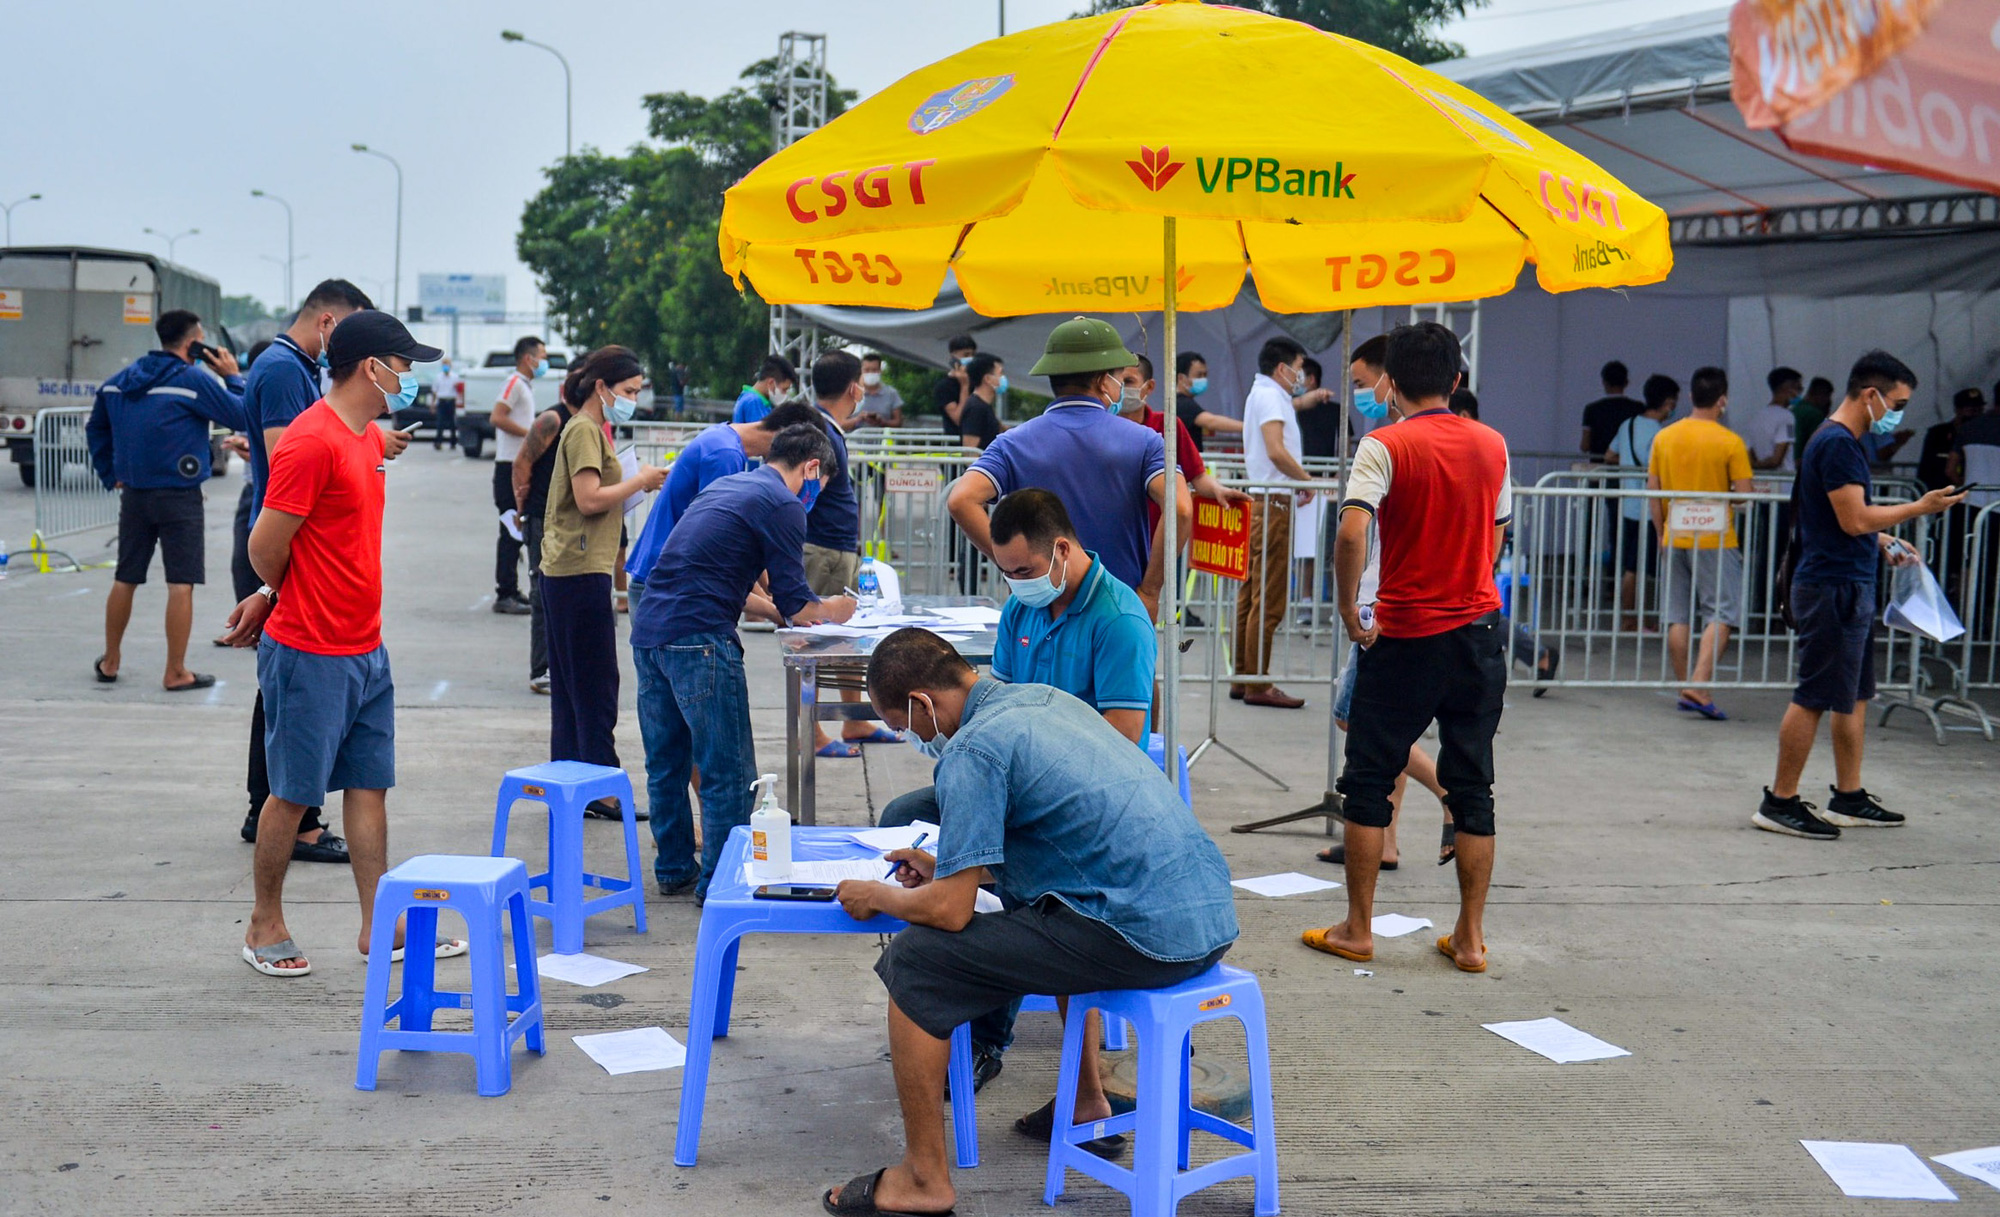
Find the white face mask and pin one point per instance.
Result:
(871, 379)
(932, 747)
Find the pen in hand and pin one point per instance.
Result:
(898, 863)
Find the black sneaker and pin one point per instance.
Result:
(1859, 810)
(512, 606)
(1794, 817)
(684, 887)
(608, 809)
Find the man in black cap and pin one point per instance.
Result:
(329, 700)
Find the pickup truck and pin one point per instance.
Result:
(479, 388)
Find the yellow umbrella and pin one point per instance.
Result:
(1338, 175)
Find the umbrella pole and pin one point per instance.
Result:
(1169, 514)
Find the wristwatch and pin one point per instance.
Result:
(269, 593)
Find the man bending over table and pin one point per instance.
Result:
(1107, 882)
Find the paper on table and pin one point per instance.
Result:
(1878, 1170)
(584, 969)
(1981, 1164)
(633, 1051)
(886, 839)
(1290, 883)
(828, 629)
(1556, 1040)
(825, 872)
(970, 614)
(1395, 925)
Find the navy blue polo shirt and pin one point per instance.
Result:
(1827, 553)
(1098, 464)
(280, 386)
(1101, 649)
(735, 530)
(835, 519)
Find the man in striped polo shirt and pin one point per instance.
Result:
(1436, 486)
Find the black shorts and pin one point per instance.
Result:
(170, 518)
(1836, 645)
(1459, 678)
(1638, 542)
(941, 979)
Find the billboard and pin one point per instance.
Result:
(477, 296)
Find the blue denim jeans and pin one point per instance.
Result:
(694, 709)
(993, 1030)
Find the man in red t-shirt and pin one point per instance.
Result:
(329, 700)
(1436, 486)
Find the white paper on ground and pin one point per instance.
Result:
(584, 969)
(1290, 883)
(1395, 925)
(824, 872)
(1878, 1170)
(1981, 1164)
(886, 839)
(1556, 1040)
(636, 1051)
(970, 614)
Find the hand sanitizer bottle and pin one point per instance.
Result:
(770, 835)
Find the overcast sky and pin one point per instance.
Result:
(128, 115)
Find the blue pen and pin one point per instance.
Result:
(898, 863)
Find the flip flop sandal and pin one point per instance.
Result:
(1444, 948)
(328, 848)
(1448, 843)
(881, 735)
(1707, 709)
(447, 948)
(839, 750)
(202, 680)
(1337, 855)
(1040, 1124)
(857, 1199)
(266, 959)
(1317, 940)
(97, 666)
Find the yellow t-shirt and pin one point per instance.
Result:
(572, 542)
(1705, 457)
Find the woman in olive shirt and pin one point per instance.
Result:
(580, 551)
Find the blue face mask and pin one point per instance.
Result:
(1366, 405)
(406, 395)
(542, 368)
(1887, 424)
(1197, 386)
(932, 747)
(1040, 591)
(809, 493)
(621, 409)
(323, 361)
(1003, 382)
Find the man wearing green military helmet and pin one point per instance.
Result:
(1105, 469)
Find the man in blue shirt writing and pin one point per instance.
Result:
(1108, 882)
(148, 434)
(694, 703)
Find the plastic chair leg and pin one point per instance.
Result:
(725, 989)
(489, 1003)
(1162, 1064)
(526, 976)
(503, 807)
(1117, 1034)
(1065, 1108)
(375, 999)
(1186, 1134)
(566, 878)
(634, 872)
(419, 966)
(1257, 1046)
(714, 963)
(964, 1115)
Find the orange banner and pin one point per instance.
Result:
(1220, 539)
(1789, 56)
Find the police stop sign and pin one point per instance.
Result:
(1220, 539)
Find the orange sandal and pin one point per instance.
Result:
(1316, 939)
(1444, 948)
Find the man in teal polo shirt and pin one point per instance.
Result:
(1068, 623)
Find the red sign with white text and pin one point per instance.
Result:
(1220, 539)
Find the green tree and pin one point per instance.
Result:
(624, 247)
(1404, 27)
(242, 310)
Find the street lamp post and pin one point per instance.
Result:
(9, 208)
(396, 287)
(172, 239)
(518, 36)
(290, 301)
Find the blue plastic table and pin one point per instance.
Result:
(730, 913)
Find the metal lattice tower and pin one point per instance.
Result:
(800, 110)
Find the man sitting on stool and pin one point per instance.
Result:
(1107, 882)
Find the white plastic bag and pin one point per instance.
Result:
(1917, 604)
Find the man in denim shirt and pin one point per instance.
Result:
(1108, 882)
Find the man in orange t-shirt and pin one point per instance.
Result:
(329, 700)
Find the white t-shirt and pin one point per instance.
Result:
(519, 394)
(880, 402)
(445, 387)
(1769, 427)
(1268, 403)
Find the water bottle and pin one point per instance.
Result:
(3, 560)
(869, 585)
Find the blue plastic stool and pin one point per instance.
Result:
(566, 788)
(486, 892)
(1116, 1033)
(1165, 1018)
(1156, 747)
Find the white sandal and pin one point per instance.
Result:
(447, 948)
(267, 958)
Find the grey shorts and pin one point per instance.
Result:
(1711, 579)
(329, 721)
(941, 979)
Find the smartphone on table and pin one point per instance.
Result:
(793, 891)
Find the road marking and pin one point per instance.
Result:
(438, 689)
(215, 692)
(81, 591)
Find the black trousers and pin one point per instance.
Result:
(258, 782)
(582, 632)
(507, 551)
(1458, 678)
(538, 642)
(241, 573)
(446, 424)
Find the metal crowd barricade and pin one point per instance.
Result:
(69, 498)
(1970, 573)
(659, 443)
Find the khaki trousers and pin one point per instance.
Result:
(1260, 602)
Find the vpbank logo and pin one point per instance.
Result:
(1155, 167)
